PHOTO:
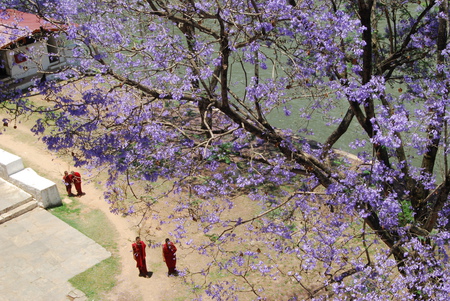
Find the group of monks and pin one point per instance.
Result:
(75, 179)
(168, 248)
(168, 253)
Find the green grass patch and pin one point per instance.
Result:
(99, 279)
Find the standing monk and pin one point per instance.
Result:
(76, 178)
(68, 182)
(139, 256)
(170, 258)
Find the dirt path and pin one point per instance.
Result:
(130, 287)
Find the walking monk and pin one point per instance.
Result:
(139, 256)
(169, 257)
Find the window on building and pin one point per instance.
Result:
(20, 58)
(3, 67)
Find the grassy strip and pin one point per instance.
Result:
(99, 279)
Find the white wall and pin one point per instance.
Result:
(35, 53)
(37, 60)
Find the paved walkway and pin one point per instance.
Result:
(39, 253)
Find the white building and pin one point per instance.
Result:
(31, 49)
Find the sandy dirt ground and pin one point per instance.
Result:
(130, 287)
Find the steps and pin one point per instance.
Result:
(14, 201)
(22, 189)
(17, 211)
(42, 189)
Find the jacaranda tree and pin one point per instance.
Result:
(191, 93)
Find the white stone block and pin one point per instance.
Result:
(9, 164)
(44, 190)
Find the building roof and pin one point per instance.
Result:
(15, 25)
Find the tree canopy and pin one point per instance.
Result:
(326, 119)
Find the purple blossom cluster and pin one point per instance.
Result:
(299, 144)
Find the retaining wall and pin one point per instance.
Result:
(42, 189)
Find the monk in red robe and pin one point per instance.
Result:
(76, 178)
(139, 256)
(68, 182)
(170, 258)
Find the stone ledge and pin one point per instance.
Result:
(42, 189)
(9, 164)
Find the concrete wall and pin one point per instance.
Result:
(42, 189)
(9, 164)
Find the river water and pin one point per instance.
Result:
(317, 123)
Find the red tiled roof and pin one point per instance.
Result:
(15, 25)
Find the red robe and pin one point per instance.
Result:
(68, 182)
(170, 257)
(76, 178)
(139, 256)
